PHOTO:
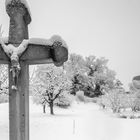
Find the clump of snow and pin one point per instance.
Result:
(22, 47)
(49, 42)
(12, 50)
(14, 87)
(7, 2)
(9, 49)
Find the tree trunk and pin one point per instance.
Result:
(44, 108)
(51, 108)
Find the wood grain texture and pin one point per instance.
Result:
(42, 53)
(36, 52)
(19, 106)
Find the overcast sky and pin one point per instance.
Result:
(109, 28)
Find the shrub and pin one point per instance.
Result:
(80, 96)
(112, 100)
(64, 100)
(118, 101)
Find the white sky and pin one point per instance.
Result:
(109, 28)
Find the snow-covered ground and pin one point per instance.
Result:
(80, 122)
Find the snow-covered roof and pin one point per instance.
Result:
(24, 2)
(49, 42)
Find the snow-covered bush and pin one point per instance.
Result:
(127, 102)
(102, 101)
(80, 96)
(118, 101)
(111, 100)
(64, 100)
(131, 101)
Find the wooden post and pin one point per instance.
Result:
(19, 106)
(24, 101)
(19, 99)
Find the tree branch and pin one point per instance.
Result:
(56, 96)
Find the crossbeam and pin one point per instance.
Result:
(39, 54)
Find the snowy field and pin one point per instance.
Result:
(80, 122)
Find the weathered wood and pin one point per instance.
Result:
(40, 53)
(37, 62)
(24, 101)
(14, 111)
(19, 106)
(36, 52)
(4, 62)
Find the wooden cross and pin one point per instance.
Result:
(19, 61)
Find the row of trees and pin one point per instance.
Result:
(57, 85)
(51, 85)
(120, 101)
(91, 75)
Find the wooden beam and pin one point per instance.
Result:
(36, 52)
(37, 62)
(41, 54)
(4, 62)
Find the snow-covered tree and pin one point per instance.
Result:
(99, 75)
(49, 83)
(90, 75)
(94, 64)
(75, 69)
